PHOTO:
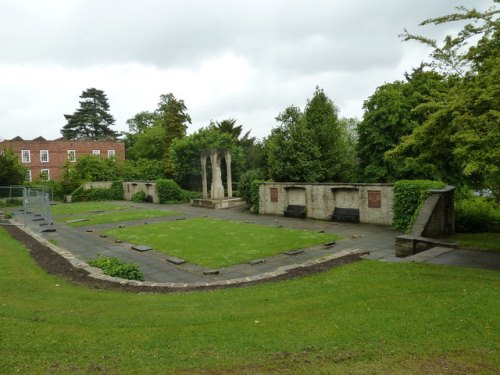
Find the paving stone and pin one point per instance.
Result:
(294, 252)
(180, 218)
(329, 244)
(175, 260)
(211, 272)
(103, 236)
(118, 241)
(142, 248)
(89, 230)
(77, 221)
(257, 261)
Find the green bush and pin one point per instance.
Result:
(11, 202)
(117, 190)
(254, 196)
(117, 268)
(476, 215)
(138, 197)
(170, 192)
(245, 184)
(408, 197)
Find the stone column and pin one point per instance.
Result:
(229, 176)
(204, 176)
(217, 191)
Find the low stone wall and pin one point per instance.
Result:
(374, 201)
(132, 187)
(97, 185)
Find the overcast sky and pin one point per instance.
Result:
(239, 59)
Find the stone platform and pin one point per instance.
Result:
(218, 203)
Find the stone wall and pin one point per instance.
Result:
(374, 201)
(132, 187)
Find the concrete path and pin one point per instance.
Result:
(86, 243)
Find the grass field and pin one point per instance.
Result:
(366, 318)
(84, 207)
(218, 243)
(483, 241)
(116, 217)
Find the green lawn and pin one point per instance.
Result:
(116, 217)
(482, 241)
(84, 207)
(218, 243)
(366, 318)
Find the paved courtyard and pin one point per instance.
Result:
(86, 243)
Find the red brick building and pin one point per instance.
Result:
(45, 159)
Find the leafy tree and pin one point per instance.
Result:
(312, 146)
(91, 168)
(389, 114)
(252, 149)
(152, 133)
(92, 120)
(186, 152)
(142, 170)
(11, 172)
(460, 134)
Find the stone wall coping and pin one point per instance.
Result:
(325, 184)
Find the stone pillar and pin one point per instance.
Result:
(204, 176)
(217, 189)
(229, 176)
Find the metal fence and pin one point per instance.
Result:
(27, 205)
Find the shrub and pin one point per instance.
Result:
(408, 197)
(168, 191)
(11, 202)
(138, 197)
(477, 214)
(245, 184)
(117, 268)
(254, 196)
(117, 190)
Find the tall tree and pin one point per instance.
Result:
(92, 120)
(389, 114)
(462, 122)
(312, 146)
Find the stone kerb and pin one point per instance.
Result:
(97, 273)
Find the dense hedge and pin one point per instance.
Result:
(140, 196)
(476, 215)
(170, 192)
(117, 268)
(408, 197)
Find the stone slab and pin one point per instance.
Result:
(293, 252)
(176, 261)
(211, 272)
(141, 248)
(257, 261)
(76, 221)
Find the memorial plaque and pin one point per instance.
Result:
(274, 195)
(374, 199)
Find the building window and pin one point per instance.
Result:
(96, 152)
(71, 155)
(28, 175)
(44, 175)
(25, 156)
(374, 199)
(274, 195)
(44, 156)
(111, 154)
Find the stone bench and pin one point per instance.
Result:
(295, 210)
(346, 215)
